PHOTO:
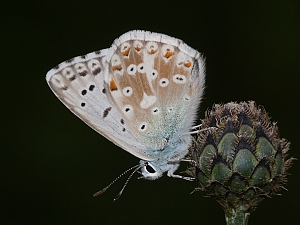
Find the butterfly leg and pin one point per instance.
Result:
(182, 177)
(195, 127)
(171, 174)
(205, 129)
(181, 160)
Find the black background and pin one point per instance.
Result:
(52, 163)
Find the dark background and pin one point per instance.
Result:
(52, 163)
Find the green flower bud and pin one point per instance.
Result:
(239, 158)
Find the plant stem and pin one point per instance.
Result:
(236, 216)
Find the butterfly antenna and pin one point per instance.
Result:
(128, 179)
(108, 186)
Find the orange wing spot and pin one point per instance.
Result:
(117, 67)
(169, 54)
(152, 51)
(126, 52)
(137, 48)
(113, 86)
(188, 64)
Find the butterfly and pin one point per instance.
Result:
(142, 94)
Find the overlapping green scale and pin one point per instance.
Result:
(206, 157)
(264, 148)
(220, 173)
(226, 146)
(244, 162)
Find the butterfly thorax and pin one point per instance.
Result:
(166, 159)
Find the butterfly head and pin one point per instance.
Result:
(155, 169)
(150, 171)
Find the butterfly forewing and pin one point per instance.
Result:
(79, 84)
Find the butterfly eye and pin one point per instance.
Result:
(149, 168)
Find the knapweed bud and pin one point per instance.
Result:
(239, 158)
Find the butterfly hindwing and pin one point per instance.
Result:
(155, 82)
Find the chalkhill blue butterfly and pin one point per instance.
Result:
(142, 94)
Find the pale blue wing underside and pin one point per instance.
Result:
(71, 79)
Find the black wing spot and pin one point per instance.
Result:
(84, 92)
(72, 78)
(69, 60)
(82, 104)
(106, 111)
(104, 91)
(91, 87)
(123, 129)
(83, 73)
(122, 121)
(96, 70)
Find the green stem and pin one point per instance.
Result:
(236, 217)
